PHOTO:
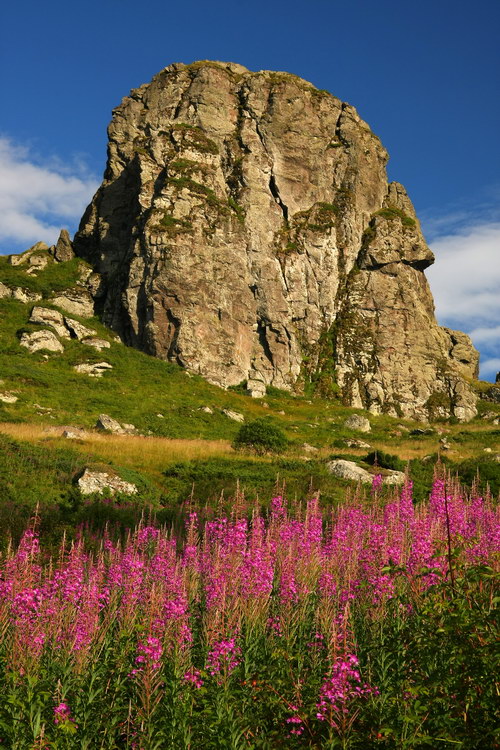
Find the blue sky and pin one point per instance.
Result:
(425, 76)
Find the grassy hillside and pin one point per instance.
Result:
(182, 449)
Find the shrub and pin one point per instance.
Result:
(262, 436)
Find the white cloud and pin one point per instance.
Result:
(490, 367)
(38, 199)
(465, 279)
(465, 282)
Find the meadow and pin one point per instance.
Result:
(372, 623)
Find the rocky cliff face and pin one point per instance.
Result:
(246, 230)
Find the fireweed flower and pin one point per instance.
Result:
(194, 678)
(62, 714)
(340, 689)
(224, 655)
(149, 653)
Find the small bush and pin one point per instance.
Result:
(262, 436)
(385, 460)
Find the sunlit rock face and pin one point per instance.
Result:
(246, 230)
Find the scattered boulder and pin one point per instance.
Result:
(46, 317)
(256, 388)
(492, 394)
(309, 448)
(105, 422)
(8, 398)
(395, 478)
(94, 369)
(41, 340)
(358, 423)
(235, 415)
(36, 263)
(76, 301)
(98, 481)
(78, 330)
(129, 427)
(98, 344)
(349, 470)
(353, 443)
(71, 435)
(21, 295)
(18, 260)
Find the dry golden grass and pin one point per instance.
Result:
(142, 453)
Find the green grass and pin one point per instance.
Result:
(162, 400)
(53, 278)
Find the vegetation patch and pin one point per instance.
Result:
(55, 277)
(261, 436)
(391, 213)
(195, 138)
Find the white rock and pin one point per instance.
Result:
(105, 422)
(256, 388)
(94, 369)
(77, 301)
(18, 260)
(8, 398)
(98, 481)
(98, 344)
(357, 422)
(349, 470)
(358, 444)
(41, 340)
(70, 435)
(309, 448)
(78, 330)
(206, 409)
(46, 317)
(395, 478)
(25, 295)
(235, 415)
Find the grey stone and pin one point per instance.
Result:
(395, 478)
(76, 301)
(8, 398)
(98, 344)
(78, 330)
(492, 394)
(41, 340)
(107, 423)
(256, 388)
(19, 260)
(353, 443)
(98, 481)
(349, 470)
(358, 423)
(47, 317)
(206, 409)
(307, 448)
(235, 415)
(94, 369)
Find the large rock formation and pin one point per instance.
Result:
(245, 229)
